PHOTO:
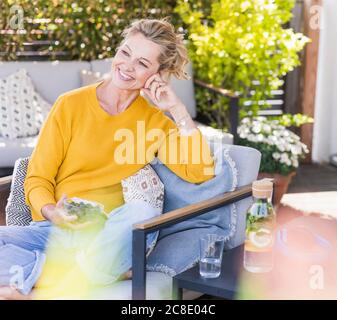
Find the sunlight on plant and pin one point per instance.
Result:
(242, 46)
(80, 30)
(293, 120)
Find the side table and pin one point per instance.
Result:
(225, 286)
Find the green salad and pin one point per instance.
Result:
(85, 210)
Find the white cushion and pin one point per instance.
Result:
(22, 109)
(158, 287)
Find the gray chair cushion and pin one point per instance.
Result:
(11, 150)
(247, 161)
(50, 78)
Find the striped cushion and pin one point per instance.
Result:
(17, 211)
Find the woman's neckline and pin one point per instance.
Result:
(103, 112)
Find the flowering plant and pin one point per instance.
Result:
(281, 148)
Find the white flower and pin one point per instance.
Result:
(243, 135)
(251, 138)
(284, 158)
(276, 155)
(256, 128)
(305, 148)
(266, 128)
(273, 139)
(295, 149)
(287, 146)
(260, 137)
(275, 133)
(243, 131)
(261, 118)
(281, 147)
(296, 137)
(295, 163)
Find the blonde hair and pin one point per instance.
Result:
(173, 57)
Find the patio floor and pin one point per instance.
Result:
(314, 178)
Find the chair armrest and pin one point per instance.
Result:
(5, 185)
(194, 209)
(140, 230)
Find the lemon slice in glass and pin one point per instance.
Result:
(262, 238)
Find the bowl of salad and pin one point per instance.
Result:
(85, 210)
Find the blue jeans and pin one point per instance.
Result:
(103, 256)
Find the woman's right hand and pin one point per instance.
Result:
(60, 217)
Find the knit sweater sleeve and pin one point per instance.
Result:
(188, 156)
(46, 158)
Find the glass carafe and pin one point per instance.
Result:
(260, 229)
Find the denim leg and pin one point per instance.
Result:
(21, 254)
(32, 237)
(110, 254)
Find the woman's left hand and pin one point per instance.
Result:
(160, 92)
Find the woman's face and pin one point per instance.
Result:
(135, 61)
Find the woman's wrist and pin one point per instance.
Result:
(183, 119)
(47, 210)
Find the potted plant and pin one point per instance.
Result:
(281, 149)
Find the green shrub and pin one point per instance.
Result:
(84, 30)
(241, 46)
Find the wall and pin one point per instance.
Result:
(325, 126)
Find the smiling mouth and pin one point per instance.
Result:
(124, 76)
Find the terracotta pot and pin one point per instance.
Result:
(281, 184)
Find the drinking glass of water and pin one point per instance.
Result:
(211, 249)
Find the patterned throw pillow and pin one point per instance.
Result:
(22, 109)
(88, 77)
(144, 185)
(17, 211)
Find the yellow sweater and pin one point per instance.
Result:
(85, 152)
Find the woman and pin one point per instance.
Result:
(97, 135)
